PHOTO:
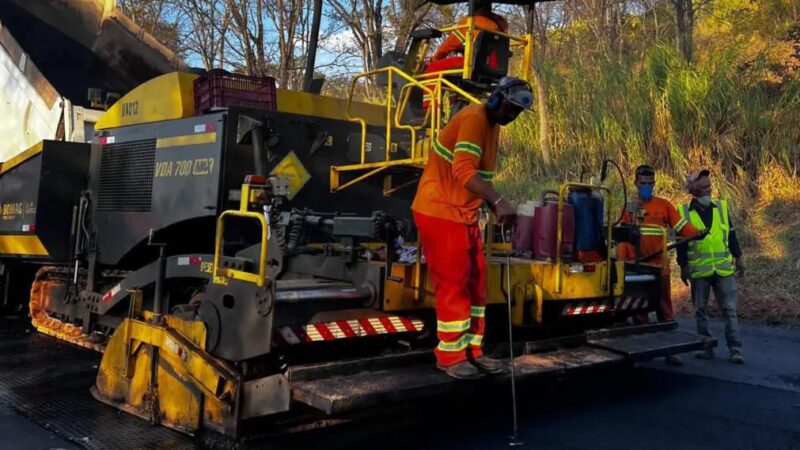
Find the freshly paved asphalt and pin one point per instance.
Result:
(702, 405)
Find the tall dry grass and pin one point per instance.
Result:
(716, 114)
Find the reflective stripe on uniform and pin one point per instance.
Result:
(681, 223)
(723, 212)
(475, 339)
(442, 151)
(486, 175)
(710, 267)
(477, 311)
(695, 255)
(454, 346)
(468, 147)
(454, 326)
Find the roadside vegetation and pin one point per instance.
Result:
(734, 109)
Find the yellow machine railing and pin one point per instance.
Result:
(435, 86)
(221, 273)
(393, 121)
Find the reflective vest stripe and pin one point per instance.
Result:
(722, 266)
(477, 311)
(708, 255)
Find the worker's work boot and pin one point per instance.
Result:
(705, 354)
(673, 360)
(489, 365)
(736, 356)
(461, 371)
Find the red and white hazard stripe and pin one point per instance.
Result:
(348, 329)
(110, 294)
(602, 306)
(582, 308)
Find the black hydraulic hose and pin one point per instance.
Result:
(675, 244)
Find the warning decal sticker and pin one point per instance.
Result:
(291, 168)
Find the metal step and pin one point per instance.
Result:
(650, 345)
(339, 387)
(338, 394)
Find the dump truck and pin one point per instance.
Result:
(236, 250)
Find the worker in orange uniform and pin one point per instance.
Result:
(455, 183)
(657, 211)
(483, 18)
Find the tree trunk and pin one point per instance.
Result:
(684, 20)
(311, 55)
(538, 28)
(544, 119)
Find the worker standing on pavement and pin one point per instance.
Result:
(659, 214)
(709, 263)
(455, 183)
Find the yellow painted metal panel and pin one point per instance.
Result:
(531, 281)
(22, 245)
(169, 96)
(188, 139)
(21, 157)
(328, 107)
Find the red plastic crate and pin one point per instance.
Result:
(219, 88)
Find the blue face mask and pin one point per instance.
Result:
(646, 192)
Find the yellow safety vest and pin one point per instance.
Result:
(710, 255)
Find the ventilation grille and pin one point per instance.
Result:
(126, 176)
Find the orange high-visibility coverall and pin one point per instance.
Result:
(454, 42)
(446, 215)
(658, 211)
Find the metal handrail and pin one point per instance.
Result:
(525, 40)
(390, 70)
(218, 272)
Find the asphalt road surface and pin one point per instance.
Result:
(702, 405)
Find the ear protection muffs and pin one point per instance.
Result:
(499, 95)
(495, 100)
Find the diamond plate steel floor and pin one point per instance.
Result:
(48, 382)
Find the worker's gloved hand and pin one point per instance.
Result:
(505, 212)
(740, 267)
(685, 275)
